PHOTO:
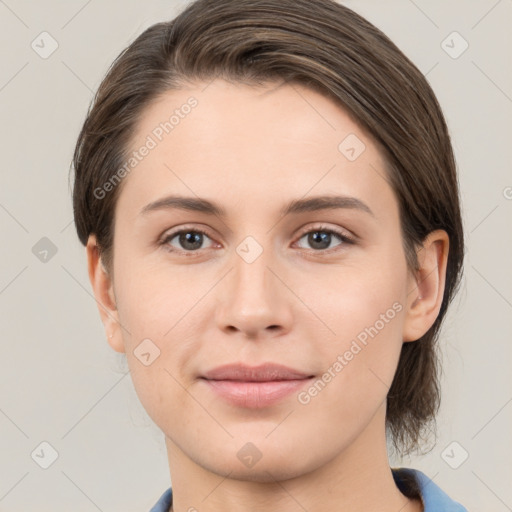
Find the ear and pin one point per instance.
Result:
(426, 286)
(104, 294)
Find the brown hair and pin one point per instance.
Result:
(325, 46)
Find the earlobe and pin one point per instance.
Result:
(104, 294)
(426, 287)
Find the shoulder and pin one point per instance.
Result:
(413, 482)
(164, 502)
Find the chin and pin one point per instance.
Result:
(268, 465)
(262, 472)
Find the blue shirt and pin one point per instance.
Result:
(433, 497)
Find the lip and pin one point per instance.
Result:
(255, 386)
(263, 373)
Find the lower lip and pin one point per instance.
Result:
(255, 395)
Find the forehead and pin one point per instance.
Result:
(268, 140)
(290, 110)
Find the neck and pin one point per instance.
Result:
(358, 479)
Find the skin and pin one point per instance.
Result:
(296, 304)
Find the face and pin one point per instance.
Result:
(271, 277)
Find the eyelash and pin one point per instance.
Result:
(323, 229)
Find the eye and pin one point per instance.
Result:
(189, 240)
(321, 237)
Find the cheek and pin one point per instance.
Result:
(368, 309)
(157, 389)
(357, 298)
(151, 301)
(159, 313)
(357, 374)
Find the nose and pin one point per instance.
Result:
(253, 299)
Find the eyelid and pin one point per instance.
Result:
(346, 235)
(183, 227)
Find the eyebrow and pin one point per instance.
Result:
(312, 204)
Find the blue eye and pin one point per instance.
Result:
(321, 237)
(189, 239)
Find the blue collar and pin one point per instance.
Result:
(434, 499)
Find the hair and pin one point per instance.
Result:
(331, 49)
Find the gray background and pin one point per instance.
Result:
(61, 383)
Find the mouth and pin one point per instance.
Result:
(255, 387)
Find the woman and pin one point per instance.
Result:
(268, 197)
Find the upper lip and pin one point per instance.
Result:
(262, 373)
